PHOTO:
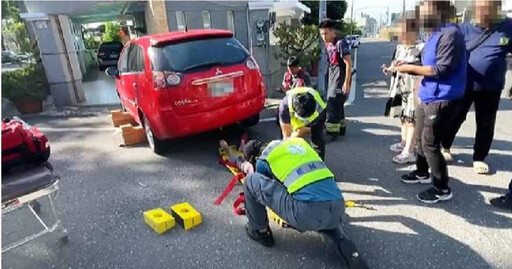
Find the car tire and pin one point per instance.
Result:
(251, 121)
(155, 144)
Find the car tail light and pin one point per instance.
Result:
(162, 80)
(251, 64)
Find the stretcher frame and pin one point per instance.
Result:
(31, 202)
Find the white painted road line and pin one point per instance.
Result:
(352, 95)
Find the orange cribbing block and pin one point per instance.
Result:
(132, 135)
(186, 216)
(120, 118)
(159, 220)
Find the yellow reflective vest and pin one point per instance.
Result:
(295, 163)
(297, 122)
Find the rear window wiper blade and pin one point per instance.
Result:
(206, 64)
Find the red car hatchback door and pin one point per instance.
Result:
(210, 73)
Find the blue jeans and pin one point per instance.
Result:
(261, 191)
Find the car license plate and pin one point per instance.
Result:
(220, 89)
(113, 56)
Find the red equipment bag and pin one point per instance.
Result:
(22, 144)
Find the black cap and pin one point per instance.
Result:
(293, 61)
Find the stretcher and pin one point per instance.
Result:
(238, 178)
(23, 189)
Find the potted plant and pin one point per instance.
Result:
(26, 88)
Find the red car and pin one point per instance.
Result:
(181, 83)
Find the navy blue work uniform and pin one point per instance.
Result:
(440, 95)
(487, 67)
(336, 50)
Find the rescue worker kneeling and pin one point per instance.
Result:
(292, 180)
(302, 113)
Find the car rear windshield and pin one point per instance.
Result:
(109, 47)
(194, 55)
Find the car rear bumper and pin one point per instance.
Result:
(107, 62)
(168, 125)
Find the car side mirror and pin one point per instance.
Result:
(112, 71)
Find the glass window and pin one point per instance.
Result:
(194, 55)
(123, 62)
(181, 21)
(133, 59)
(231, 21)
(140, 59)
(207, 23)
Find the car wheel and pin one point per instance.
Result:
(251, 121)
(154, 143)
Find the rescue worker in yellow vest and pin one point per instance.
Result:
(293, 181)
(301, 114)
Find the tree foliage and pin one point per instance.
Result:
(335, 11)
(13, 28)
(300, 41)
(27, 82)
(111, 32)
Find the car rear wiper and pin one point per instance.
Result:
(206, 64)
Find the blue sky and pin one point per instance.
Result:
(376, 7)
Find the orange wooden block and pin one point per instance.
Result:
(132, 135)
(120, 118)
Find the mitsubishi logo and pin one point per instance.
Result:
(218, 72)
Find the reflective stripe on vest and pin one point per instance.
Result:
(295, 163)
(296, 121)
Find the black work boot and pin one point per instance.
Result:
(344, 248)
(265, 238)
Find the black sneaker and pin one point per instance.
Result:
(416, 177)
(434, 195)
(265, 238)
(503, 202)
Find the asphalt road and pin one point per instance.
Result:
(105, 189)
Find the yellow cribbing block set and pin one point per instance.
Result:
(159, 220)
(186, 216)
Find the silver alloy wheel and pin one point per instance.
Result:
(149, 134)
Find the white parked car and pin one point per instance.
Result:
(353, 41)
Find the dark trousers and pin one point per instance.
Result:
(336, 114)
(317, 135)
(486, 108)
(432, 121)
(510, 189)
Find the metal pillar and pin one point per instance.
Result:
(322, 64)
(59, 57)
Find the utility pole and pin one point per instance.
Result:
(352, 18)
(403, 10)
(322, 64)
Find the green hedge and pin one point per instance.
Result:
(29, 81)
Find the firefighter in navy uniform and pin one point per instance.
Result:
(339, 78)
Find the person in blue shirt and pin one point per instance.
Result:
(440, 91)
(488, 40)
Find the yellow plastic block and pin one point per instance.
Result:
(159, 220)
(186, 216)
